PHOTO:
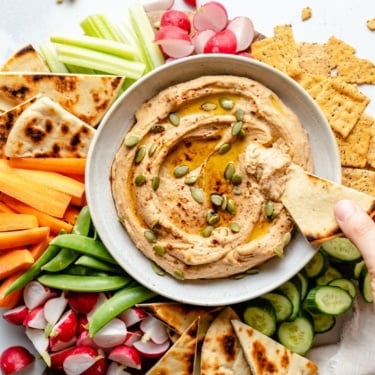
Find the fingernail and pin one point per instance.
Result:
(344, 209)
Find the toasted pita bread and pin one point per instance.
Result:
(45, 129)
(310, 200)
(86, 96)
(180, 358)
(26, 59)
(221, 352)
(265, 356)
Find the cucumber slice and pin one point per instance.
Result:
(291, 290)
(260, 314)
(304, 284)
(342, 249)
(345, 284)
(282, 305)
(330, 274)
(365, 285)
(328, 299)
(317, 265)
(357, 269)
(297, 335)
(323, 322)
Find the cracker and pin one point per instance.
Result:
(306, 13)
(360, 179)
(342, 103)
(313, 58)
(354, 148)
(371, 24)
(337, 50)
(371, 148)
(356, 70)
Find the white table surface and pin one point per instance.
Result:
(23, 22)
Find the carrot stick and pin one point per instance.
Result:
(12, 299)
(71, 214)
(35, 194)
(18, 238)
(38, 249)
(62, 165)
(5, 208)
(14, 261)
(55, 224)
(13, 221)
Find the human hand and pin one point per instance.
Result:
(360, 229)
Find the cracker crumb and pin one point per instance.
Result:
(306, 13)
(371, 24)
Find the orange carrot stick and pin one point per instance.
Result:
(12, 299)
(14, 221)
(5, 208)
(38, 249)
(18, 238)
(14, 261)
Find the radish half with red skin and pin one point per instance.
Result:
(243, 29)
(35, 318)
(82, 302)
(126, 355)
(201, 38)
(80, 360)
(174, 41)
(149, 349)
(177, 18)
(16, 315)
(112, 334)
(36, 294)
(211, 15)
(192, 3)
(154, 5)
(66, 328)
(132, 316)
(222, 42)
(14, 359)
(116, 369)
(54, 308)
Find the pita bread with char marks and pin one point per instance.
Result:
(265, 356)
(45, 129)
(86, 96)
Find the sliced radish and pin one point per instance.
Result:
(54, 308)
(222, 42)
(58, 358)
(211, 15)
(98, 368)
(35, 318)
(40, 342)
(112, 334)
(132, 337)
(82, 302)
(56, 345)
(35, 294)
(201, 38)
(153, 5)
(14, 359)
(243, 29)
(16, 315)
(84, 339)
(83, 324)
(126, 355)
(151, 350)
(192, 3)
(116, 369)
(79, 360)
(132, 316)
(101, 299)
(154, 330)
(66, 328)
(174, 17)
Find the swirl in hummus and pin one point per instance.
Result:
(197, 179)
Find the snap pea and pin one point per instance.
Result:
(84, 283)
(84, 245)
(119, 302)
(96, 264)
(83, 222)
(34, 270)
(64, 258)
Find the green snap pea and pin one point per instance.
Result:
(84, 245)
(64, 258)
(96, 264)
(119, 302)
(83, 222)
(34, 270)
(84, 283)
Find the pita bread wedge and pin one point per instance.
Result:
(180, 358)
(221, 352)
(310, 200)
(265, 356)
(45, 129)
(8, 119)
(86, 96)
(27, 59)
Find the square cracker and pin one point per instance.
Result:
(313, 59)
(337, 51)
(360, 179)
(371, 148)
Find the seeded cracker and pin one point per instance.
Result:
(371, 24)
(337, 51)
(313, 59)
(371, 149)
(306, 13)
(359, 179)
(354, 148)
(342, 103)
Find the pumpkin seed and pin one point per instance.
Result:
(212, 217)
(140, 179)
(207, 231)
(225, 202)
(157, 129)
(174, 119)
(155, 182)
(241, 135)
(237, 191)
(269, 209)
(158, 249)
(131, 140)
(191, 180)
(154, 224)
(252, 271)
(236, 179)
(150, 235)
(239, 276)
(140, 154)
(216, 199)
(197, 194)
(178, 274)
(224, 148)
(158, 270)
(229, 170)
(279, 252)
(239, 114)
(231, 206)
(287, 238)
(223, 231)
(226, 103)
(235, 227)
(152, 149)
(180, 171)
(208, 106)
(236, 128)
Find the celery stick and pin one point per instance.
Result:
(103, 62)
(97, 44)
(98, 25)
(80, 69)
(50, 56)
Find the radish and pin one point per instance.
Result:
(243, 29)
(211, 15)
(153, 5)
(40, 342)
(112, 334)
(153, 330)
(16, 315)
(53, 309)
(201, 38)
(151, 350)
(64, 330)
(132, 337)
(55, 345)
(35, 294)
(116, 369)
(98, 368)
(192, 3)
(78, 360)
(84, 339)
(174, 41)
(132, 316)
(177, 18)
(83, 324)
(101, 299)
(14, 359)
(222, 42)
(82, 302)
(126, 355)
(35, 318)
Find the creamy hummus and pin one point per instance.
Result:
(196, 181)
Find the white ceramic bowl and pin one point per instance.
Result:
(111, 133)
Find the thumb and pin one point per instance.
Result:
(360, 229)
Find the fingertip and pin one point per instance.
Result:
(344, 209)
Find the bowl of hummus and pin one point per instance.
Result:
(174, 189)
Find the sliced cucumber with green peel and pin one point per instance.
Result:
(327, 299)
(297, 335)
(323, 322)
(282, 305)
(345, 284)
(260, 314)
(357, 269)
(291, 290)
(330, 274)
(342, 249)
(304, 282)
(317, 265)
(365, 285)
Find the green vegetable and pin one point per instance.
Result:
(63, 259)
(96, 264)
